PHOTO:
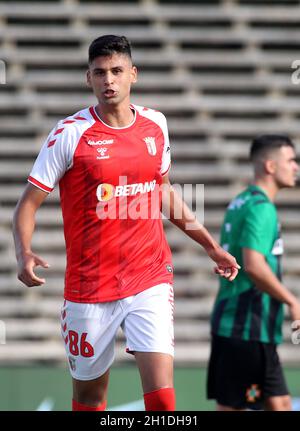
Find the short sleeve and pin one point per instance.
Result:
(259, 227)
(53, 159)
(166, 154)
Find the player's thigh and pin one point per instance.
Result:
(149, 325)
(278, 403)
(89, 332)
(91, 392)
(149, 331)
(156, 370)
(221, 408)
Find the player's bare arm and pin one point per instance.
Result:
(23, 228)
(260, 272)
(227, 265)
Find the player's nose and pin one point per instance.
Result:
(108, 78)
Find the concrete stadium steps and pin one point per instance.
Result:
(187, 13)
(212, 194)
(193, 311)
(186, 150)
(213, 105)
(220, 71)
(232, 38)
(181, 82)
(184, 262)
(45, 329)
(159, 58)
(156, 10)
(179, 128)
(185, 286)
(39, 329)
(17, 352)
(51, 216)
(54, 352)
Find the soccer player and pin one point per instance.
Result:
(244, 369)
(109, 161)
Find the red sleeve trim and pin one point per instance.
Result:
(165, 173)
(58, 131)
(80, 118)
(39, 185)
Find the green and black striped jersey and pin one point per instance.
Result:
(241, 310)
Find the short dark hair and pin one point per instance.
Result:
(263, 145)
(108, 45)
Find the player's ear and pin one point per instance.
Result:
(88, 78)
(133, 74)
(270, 166)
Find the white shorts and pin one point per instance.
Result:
(89, 330)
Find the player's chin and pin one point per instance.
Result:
(111, 101)
(291, 183)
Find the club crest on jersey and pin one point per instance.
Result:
(151, 146)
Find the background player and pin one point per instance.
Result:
(244, 368)
(112, 157)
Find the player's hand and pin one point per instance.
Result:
(227, 266)
(295, 314)
(26, 264)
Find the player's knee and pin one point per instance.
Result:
(223, 408)
(89, 396)
(287, 403)
(279, 403)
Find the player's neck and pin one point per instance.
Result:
(115, 116)
(268, 186)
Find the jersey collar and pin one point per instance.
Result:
(110, 128)
(254, 188)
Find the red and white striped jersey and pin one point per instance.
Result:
(109, 181)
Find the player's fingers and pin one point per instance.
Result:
(227, 273)
(41, 262)
(36, 281)
(24, 278)
(234, 273)
(219, 271)
(235, 264)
